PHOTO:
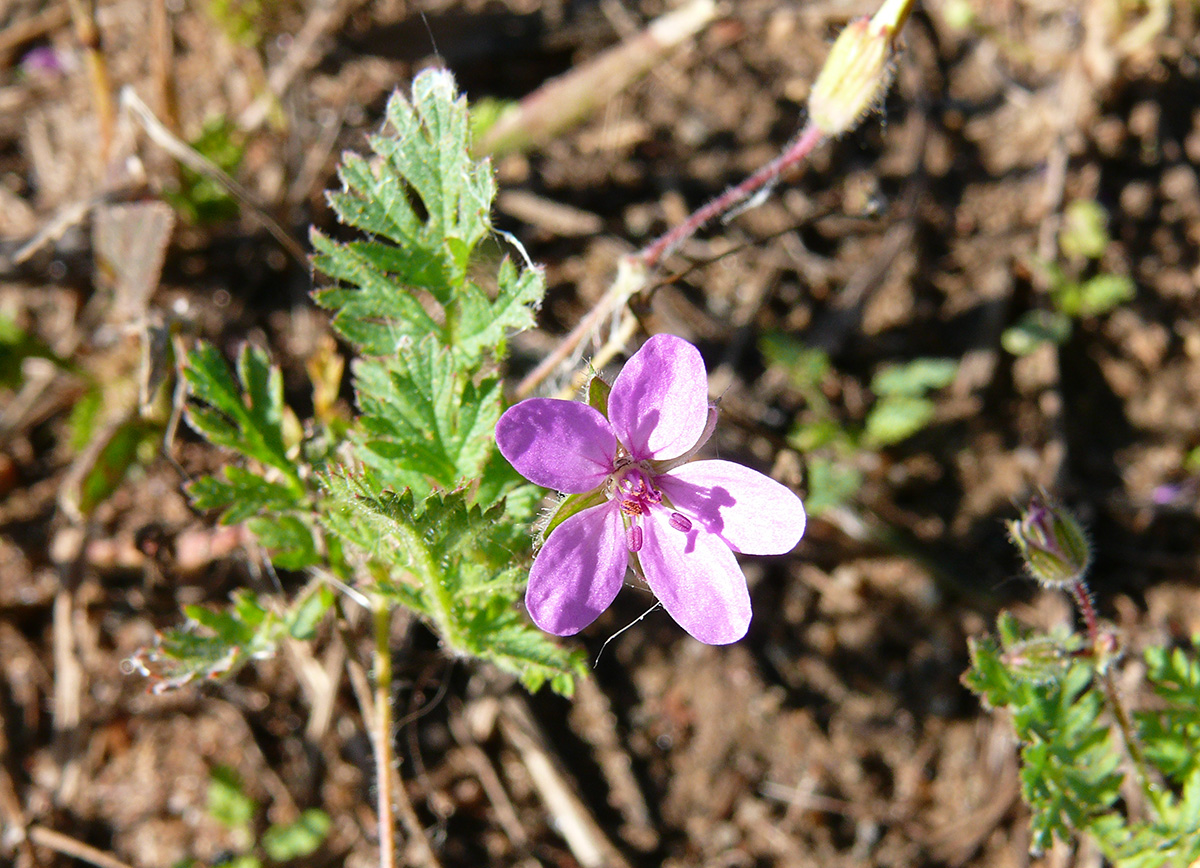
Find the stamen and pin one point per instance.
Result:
(633, 538)
(680, 522)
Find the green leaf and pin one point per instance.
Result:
(806, 367)
(830, 484)
(424, 425)
(1102, 293)
(307, 613)
(247, 415)
(86, 417)
(914, 379)
(528, 653)
(228, 803)
(1035, 328)
(380, 316)
(213, 644)
(1083, 230)
(453, 562)
(288, 540)
(427, 205)
(114, 460)
(808, 437)
(1170, 735)
(483, 323)
(896, 418)
(242, 494)
(299, 838)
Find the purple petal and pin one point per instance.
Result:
(578, 571)
(564, 445)
(752, 513)
(659, 403)
(696, 578)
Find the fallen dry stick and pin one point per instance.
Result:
(571, 816)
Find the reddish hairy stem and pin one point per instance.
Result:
(1083, 599)
(808, 139)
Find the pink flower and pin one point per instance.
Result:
(680, 523)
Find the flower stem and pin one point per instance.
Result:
(383, 733)
(1083, 599)
(1102, 653)
(803, 145)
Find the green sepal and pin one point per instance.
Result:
(573, 504)
(598, 395)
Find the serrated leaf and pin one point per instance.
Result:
(424, 426)
(213, 644)
(379, 315)
(482, 323)
(430, 203)
(517, 647)
(460, 558)
(246, 416)
(242, 494)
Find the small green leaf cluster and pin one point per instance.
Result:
(1083, 240)
(901, 409)
(233, 808)
(407, 502)
(216, 643)
(1073, 757)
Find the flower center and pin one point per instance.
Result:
(632, 486)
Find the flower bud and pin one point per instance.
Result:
(858, 70)
(853, 79)
(1052, 544)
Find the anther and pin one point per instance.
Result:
(680, 522)
(633, 538)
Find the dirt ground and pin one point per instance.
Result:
(837, 733)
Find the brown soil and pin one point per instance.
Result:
(837, 733)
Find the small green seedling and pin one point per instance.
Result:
(902, 408)
(230, 806)
(1083, 241)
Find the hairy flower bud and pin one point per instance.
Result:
(853, 79)
(1052, 544)
(858, 70)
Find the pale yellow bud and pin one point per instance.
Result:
(852, 82)
(858, 70)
